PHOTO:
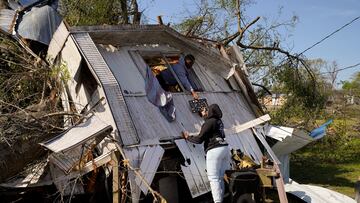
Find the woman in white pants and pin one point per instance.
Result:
(216, 149)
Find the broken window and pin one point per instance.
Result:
(161, 66)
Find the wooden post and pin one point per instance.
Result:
(357, 191)
(115, 183)
(159, 19)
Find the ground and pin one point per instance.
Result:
(333, 162)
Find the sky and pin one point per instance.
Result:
(317, 19)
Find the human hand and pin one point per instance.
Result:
(185, 134)
(195, 95)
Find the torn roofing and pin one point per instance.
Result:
(39, 24)
(121, 35)
(6, 20)
(77, 135)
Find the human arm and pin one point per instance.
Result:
(183, 77)
(198, 139)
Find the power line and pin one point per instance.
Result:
(328, 36)
(341, 69)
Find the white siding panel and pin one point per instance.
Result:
(57, 42)
(76, 135)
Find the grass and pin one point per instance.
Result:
(334, 161)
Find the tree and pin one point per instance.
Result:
(270, 64)
(94, 12)
(353, 87)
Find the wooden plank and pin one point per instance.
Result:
(267, 147)
(115, 183)
(249, 124)
(148, 166)
(195, 169)
(279, 181)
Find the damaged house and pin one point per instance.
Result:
(108, 68)
(125, 143)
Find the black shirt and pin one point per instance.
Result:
(212, 131)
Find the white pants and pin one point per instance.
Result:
(217, 161)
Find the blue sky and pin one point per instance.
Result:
(316, 20)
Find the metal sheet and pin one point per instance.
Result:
(6, 20)
(279, 132)
(111, 87)
(78, 134)
(152, 126)
(195, 167)
(39, 24)
(149, 166)
(210, 80)
(124, 69)
(297, 140)
(285, 167)
(31, 177)
(315, 194)
(134, 155)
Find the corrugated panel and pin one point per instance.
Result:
(149, 166)
(124, 69)
(30, 177)
(297, 140)
(57, 42)
(316, 194)
(209, 78)
(195, 167)
(152, 126)
(78, 134)
(112, 89)
(66, 161)
(6, 20)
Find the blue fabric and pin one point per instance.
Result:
(158, 96)
(182, 74)
(320, 132)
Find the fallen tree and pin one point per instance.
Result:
(29, 102)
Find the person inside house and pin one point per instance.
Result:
(181, 70)
(216, 149)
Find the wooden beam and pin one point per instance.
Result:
(242, 84)
(279, 181)
(115, 183)
(249, 124)
(160, 21)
